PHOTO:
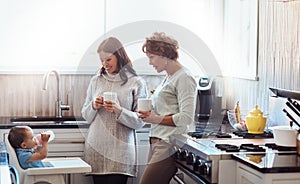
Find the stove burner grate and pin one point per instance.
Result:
(242, 147)
(227, 147)
(199, 135)
(247, 135)
(280, 148)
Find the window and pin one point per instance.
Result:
(40, 35)
(240, 38)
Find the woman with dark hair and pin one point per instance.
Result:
(174, 107)
(110, 142)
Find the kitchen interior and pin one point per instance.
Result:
(254, 43)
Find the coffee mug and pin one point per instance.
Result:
(144, 104)
(111, 96)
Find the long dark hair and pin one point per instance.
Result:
(114, 46)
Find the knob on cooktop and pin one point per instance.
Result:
(183, 155)
(190, 159)
(197, 163)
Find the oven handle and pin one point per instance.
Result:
(178, 180)
(187, 172)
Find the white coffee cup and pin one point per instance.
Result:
(110, 96)
(144, 104)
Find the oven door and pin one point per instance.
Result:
(184, 176)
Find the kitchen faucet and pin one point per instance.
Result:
(59, 105)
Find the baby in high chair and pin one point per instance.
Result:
(29, 154)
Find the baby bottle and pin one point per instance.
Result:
(38, 138)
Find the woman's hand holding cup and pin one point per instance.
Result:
(144, 104)
(98, 102)
(111, 103)
(145, 111)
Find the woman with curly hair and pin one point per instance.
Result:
(174, 107)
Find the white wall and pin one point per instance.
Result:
(42, 34)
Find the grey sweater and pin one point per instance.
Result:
(110, 146)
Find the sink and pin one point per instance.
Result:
(48, 120)
(35, 122)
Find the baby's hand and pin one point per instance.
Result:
(45, 137)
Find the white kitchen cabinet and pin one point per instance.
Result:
(227, 172)
(143, 145)
(247, 175)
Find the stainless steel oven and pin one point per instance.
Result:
(185, 177)
(193, 159)
(200, 159)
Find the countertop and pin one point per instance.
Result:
(43, 122)
(270, 162)
(47, 122)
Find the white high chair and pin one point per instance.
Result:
(53, 174)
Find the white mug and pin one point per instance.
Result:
(144, 104)
(111, 96)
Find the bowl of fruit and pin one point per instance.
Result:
(237, 120)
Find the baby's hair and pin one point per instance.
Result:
(17, 135)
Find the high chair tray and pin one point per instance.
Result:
(61, 165)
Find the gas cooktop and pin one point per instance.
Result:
(241, 134)
(227, 144)
(200, 153)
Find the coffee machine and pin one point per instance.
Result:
(209, 100)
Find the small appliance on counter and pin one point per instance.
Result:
(208, 113)
(209, 103)
(204, 99)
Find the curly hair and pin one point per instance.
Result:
(162, 45)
